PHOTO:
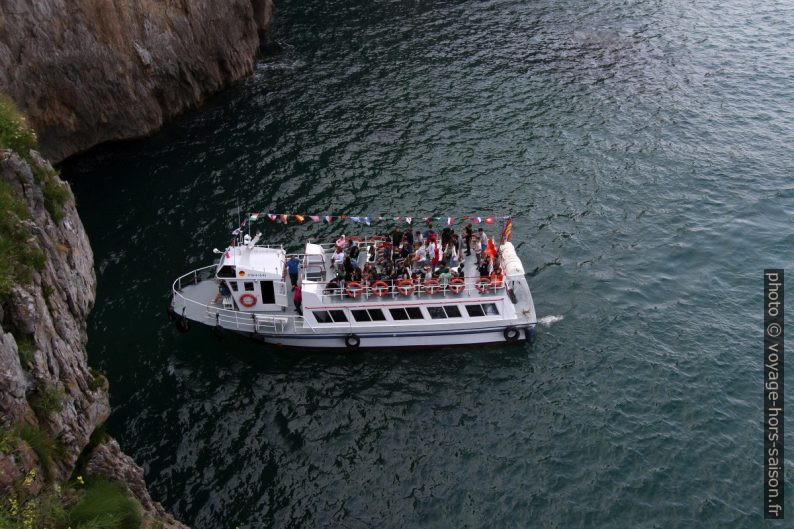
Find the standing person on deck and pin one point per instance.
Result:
(468, 234)
(292, 265)
(396, 237)
(297, 298)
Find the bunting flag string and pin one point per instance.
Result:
(284, 218)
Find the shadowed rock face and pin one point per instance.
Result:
(51, 313)
(89, 71)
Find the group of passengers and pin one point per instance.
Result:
(417, 256)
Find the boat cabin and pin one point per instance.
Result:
(252, 277)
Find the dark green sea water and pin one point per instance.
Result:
(645, 151)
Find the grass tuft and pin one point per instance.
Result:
(105, 505)
(26, 348)
(47, 399)
(45, 447)
(15, 134)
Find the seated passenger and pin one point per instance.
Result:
(483, 268)
(332, 287)
(354, 251)
(420, 257)
(444, 276)
(385, 256)
(338, 258)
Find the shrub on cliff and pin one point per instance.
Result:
(16, 134)
(18, 259)
(14, 131)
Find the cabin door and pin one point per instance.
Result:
(268, 294)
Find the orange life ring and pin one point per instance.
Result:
(247, 300)
(432, 286)
(380, 288)
(354, 289)
(405, 287)
(483, 284)
(457, 285)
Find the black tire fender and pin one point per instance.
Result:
(512, 334)
(352, 340)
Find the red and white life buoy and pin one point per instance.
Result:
(247, 300)
(483, 284)
(380, 288)
(354, 289)
(457, 285)
(405, 287)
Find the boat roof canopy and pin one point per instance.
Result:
(256, 262)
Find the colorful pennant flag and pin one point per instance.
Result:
(315, 218)
(507, 230)
(284, 218)
(300, 218)
(254, 216)
(489, 220)
(328, 219)
(366, 220)
(476, 220)
(355, 219)
(408, 220)
(272, 216)
(450, 220)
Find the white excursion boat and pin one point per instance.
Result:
(250, 292)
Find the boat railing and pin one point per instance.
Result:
(253, 322)
(194, 277)
(395, 290)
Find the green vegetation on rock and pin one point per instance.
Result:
(26, 348)
(44, 446)
(105, 505)
(92, 504)
(47, 399)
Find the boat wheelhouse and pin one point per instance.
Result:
(249, 291)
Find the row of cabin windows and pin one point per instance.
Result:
(406, 313)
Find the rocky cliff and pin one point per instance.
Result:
(51, 402)
(89, 71)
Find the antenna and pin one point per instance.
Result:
(239, 221)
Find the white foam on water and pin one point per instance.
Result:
(548, 320)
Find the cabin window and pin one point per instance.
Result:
(233, 284)
(227, 271)
(415, 313)
(474, 311)
(322, 316)
(361, 315)
(338, 316)
(448, 311)
(398, 314)
(452, 311)
(249, 286)
(268, 294)
(377, 315)
(437, 313)
(486, 309)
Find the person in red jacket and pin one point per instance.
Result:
(297, 298)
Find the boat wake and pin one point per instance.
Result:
(546, 321)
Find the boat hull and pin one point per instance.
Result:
(405, 340)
